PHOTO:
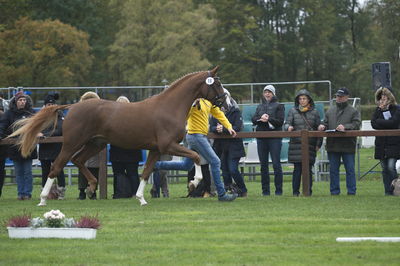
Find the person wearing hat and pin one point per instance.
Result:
(387, 148)
(341, 117)
(20, 107)
(269, 116)
(48, 152)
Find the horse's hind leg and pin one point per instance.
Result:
(91, 148)
(148, 168)
(55, 169)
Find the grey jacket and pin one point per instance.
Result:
(297, 120)
(350, 118)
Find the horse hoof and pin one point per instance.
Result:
(142, 200)
(42, 202)
(89, 193)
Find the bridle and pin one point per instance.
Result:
(219, 99)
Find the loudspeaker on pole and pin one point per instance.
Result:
(381, 75)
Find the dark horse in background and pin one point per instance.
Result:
(156, 124)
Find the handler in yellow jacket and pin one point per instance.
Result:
(196, 137)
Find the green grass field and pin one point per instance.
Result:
(256, 230)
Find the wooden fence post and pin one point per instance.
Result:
(102, 182)
(305, 163)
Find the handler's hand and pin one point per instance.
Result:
(232, 132)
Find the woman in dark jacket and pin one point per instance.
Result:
(48, 152)
(302, 116)
(20, 107)
(269, 116)
(230, 150)
(387, 149)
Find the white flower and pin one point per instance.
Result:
(54, 214)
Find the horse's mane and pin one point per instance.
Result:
(183, 78)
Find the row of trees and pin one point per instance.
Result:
(141, 42)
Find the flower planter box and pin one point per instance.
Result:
(46, 232)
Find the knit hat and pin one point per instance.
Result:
(18, 95)
(270, 88)
(51, 98)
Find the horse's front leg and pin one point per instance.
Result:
(148, 168)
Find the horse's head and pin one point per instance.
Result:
(212, 88)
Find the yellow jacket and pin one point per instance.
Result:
(197, 122)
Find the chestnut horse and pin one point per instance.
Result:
(156, 124)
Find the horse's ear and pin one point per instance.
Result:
(214, 71)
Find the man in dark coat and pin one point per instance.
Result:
(302, 116)
(387, 149)
(20, 108)
(340, 117)
(48, 152)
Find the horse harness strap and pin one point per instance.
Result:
(218, 99)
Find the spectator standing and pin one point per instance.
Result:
(302, 116)
(48, 152)
(125, 165)
(269, 116)
(387, 149)
(20, 107)
(196, 137)
(3, 148)
(93, 164)
(230, 150)
(341, 117)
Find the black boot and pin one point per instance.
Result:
(82, 194)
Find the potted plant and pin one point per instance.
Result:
(54, 224)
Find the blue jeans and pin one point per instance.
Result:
(296, 178)
(23, 174)
(334, 162)
(230, 170)
(273, 147)
(199, 143)
(389, 173)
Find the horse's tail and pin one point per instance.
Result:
(30, 127)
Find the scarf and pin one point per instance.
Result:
(305, 108)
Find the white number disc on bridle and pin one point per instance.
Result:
(210, 81)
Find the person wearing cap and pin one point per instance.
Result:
(302, 116)
(341, 117)
(20, 107)
(387, 148)
(48, 152)
(269, 116)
